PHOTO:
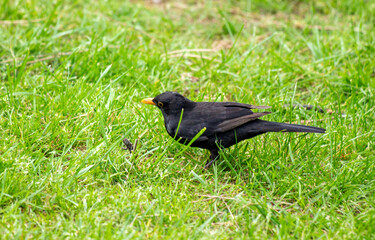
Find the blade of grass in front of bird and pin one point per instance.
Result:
(185, 148)
(192, 141)
(179, 123)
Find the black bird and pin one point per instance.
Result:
(225, 123)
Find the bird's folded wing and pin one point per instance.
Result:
(236, 122)
(216, 118)
(243, 105)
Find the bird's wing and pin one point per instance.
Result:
(236, 122)
(243, 105)
(216, 118)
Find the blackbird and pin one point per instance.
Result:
(224, 123)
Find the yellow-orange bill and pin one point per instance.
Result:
(148, 101)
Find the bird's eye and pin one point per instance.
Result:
(160, 104)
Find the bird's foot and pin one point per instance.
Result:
(214, 156)
(209, 163)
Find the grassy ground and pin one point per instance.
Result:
(72, 77)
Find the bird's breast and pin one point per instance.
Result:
(170, 126)
(170, 130)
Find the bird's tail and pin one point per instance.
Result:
(265, 126)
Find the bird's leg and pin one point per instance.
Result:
(213, 157)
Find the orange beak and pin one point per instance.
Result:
(148, 101)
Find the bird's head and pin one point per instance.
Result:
(169, 102)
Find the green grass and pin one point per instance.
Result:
(72, 77)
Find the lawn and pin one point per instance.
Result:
(73, 74)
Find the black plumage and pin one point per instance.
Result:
(225, 123)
